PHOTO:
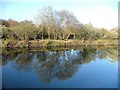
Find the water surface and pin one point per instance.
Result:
(81, 67)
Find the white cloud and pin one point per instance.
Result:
(99, 17)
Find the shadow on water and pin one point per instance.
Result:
(61, 63)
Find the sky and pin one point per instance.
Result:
(101, 13)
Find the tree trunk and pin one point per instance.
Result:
(68, 36)
(35, 37)
(74, 36)
(48, 35)
(42, 35)
(63, 37)
(55, 36)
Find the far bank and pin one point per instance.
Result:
(56, 43)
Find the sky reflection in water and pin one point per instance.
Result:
(61, 68)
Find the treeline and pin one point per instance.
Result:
(52, 24)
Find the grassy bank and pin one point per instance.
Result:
(56, 43)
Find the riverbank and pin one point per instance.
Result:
(56, 43)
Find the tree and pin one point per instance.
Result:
(114, 32)
(68, 23)
(7, 33)
(59, 24)
(25, 31)
(46, 18)
(4, 23)
(88, 32)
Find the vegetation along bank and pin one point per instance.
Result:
(54, 28)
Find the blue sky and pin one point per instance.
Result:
(101, 13)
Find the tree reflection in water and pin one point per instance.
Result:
(51, 64)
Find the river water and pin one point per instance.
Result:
(74, 67)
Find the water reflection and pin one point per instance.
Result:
(56, 63)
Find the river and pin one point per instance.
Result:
(74, 67)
